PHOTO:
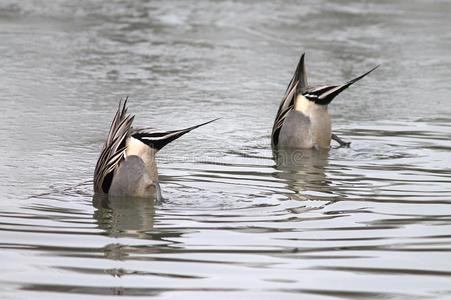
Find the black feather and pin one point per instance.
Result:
(157, 139)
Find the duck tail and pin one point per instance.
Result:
(157, 139)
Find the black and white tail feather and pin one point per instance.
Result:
(157, 139)
(113, 151)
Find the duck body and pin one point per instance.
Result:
(306, 126)
(127, 164)
(303, 120)
(132, 179)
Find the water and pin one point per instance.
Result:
(369, 222)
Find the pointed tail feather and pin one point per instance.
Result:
(300, 75)
(118, 117)
(157, 139)
(330, 94)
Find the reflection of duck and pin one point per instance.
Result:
(133, 218)
(126, 166)
(302, 120)
(302, 166)
(305, 170)
(120, 216)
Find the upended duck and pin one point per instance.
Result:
(303, 121)
(127, 166)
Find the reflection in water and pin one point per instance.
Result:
(120, 217)
(305, 170)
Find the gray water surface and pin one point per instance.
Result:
(369, 222)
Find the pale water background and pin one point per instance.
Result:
(369, 222)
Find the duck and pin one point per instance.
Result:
(303, 120)
(127, 164)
